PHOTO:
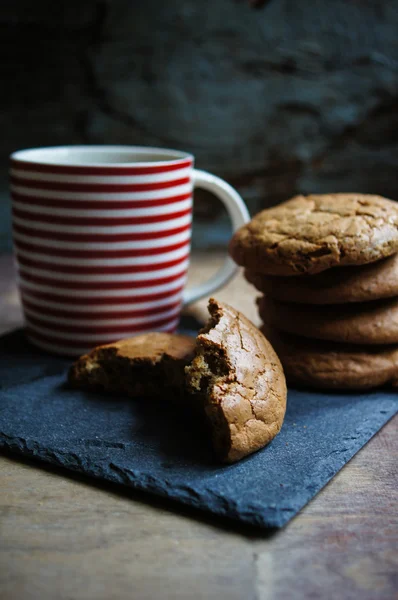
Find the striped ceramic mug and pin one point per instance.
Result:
(102, 240)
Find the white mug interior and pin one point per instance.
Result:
(118, 156)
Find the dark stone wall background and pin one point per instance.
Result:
(281, 98)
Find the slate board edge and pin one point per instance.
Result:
(360, 439)
(215, 503)
(140, 481)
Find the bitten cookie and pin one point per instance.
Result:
(233, 377)
(328, 365)
(145, 365)
(240, 381)
(366, 323)
(309, 234)
(335, 286)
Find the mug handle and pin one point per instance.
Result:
(238, 214)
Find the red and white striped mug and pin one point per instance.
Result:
(102, 240)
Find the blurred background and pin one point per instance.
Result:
(277, 97)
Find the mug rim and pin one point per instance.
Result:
(46, 155)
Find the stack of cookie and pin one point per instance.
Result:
(328, 268)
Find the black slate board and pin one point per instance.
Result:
(148, 446)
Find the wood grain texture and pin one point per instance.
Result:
(66, 538)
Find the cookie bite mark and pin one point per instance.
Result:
(240, 382)
(232, 376)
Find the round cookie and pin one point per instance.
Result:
(334, 286)
(240, 381)
(309, 234)
(137, 366)
(371, 323)
(327, 365)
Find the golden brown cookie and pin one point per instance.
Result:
(309, 234)
(328, 365)
(335, 286)
(240, 381)
(374, 323)
(235, 376)
(142, 365)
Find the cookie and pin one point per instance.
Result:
(240, 380)
(374, 323)
(309, 234)
(334, 286)
(233, 377)
(144, 365)
(328, 365)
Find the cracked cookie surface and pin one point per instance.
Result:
(329, 365)
(233, 377)
(309, 234)
(241, 382)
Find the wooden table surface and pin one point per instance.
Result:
(64, 538)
